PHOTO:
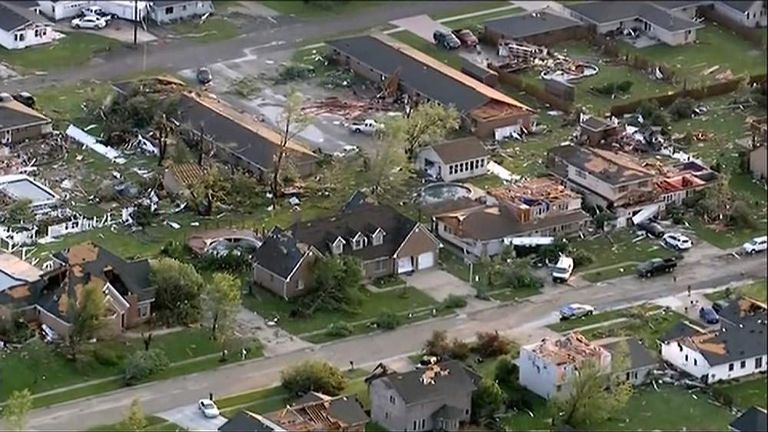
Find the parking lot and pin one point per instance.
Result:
(190, 418)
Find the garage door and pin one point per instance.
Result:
(426, 260)
(404, 265)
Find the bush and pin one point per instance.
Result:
(339, 329)
(459, 350)
(491, 344)
(313, 375)
(681, 108)
(143, 364)
(454, 302)
(106, 357)
(741, 216)
(581, 258)
(722, 397)
(388, 320)
(551, 252)
(437, 345)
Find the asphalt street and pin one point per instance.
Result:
(185, 54)
(516, 319)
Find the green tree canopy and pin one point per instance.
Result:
(313, 375)
(178, 287)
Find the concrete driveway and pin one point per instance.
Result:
(439, 284)
(420, 25)
(190, 418)
(119, 30)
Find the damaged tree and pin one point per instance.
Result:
(387, 170)
(429, 122)
(291, 123)
(211, 189)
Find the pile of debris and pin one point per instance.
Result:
(517, 56)
(347, 108)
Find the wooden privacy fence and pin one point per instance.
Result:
(751, 35)
(535, 91)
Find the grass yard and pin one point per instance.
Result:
(751, 392)
(565, 326)
(397, 300)
(64, 104)
(214, 29)
(474, 7)
(648, 329)
(616, 250)
(448, 57)
(322, 9)
(715, 46)
(76, 49)
(725, 237)
(757, 290)
(154, 424)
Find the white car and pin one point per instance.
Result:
(97, 11)
(368, 127)
(576, 310)
(561, 272)
(757, 244)
(347, 150)
(677, 241)
(208, 408)
(89, 22)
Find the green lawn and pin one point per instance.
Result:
(649, 329)
(214, 29)
(615, 251)
(474, 7)
(323, 9)
(757, 290)
(76, 49)
(397, 300)
(565, 326)
(725, 237)
(715, 46)
(446, 56)
(751, 392)
(154, 424)
(64, 104)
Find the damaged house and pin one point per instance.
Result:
(44, 296)
(736, 348)
(537, 208)
(485, 111)
(19, 123)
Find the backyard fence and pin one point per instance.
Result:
(535, 91)
(751, 35)
(611, 49)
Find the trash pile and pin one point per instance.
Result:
(347, 108)
(517, 56)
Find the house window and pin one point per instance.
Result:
(686, 358)
(743, 364)
(758, 363)
(628, 376)
(169, 10)
(414, 424)
(695, 362)
(338, 247)
(623, 189)
(19, 37)
(300, 285)
(730, 367)
(380, 266)
(386, 415)
(359, 242)
(378, 238)
(144, 311)
(184, 7)
(392, 400)
(423, 423)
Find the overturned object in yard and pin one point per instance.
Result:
(570, 73)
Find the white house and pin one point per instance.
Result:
(454, 160)
(18, 31)
(546, 367)
(735, 349)
(748, 13)
(163, 12)
(60, 10)
(66, 9)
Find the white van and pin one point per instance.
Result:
(757, 244)
(561, 272)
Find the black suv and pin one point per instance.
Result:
(656, 266)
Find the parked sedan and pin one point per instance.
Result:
(208, 408)
(708, 315)
(575, 310)
(677, 241)
(89, 22)
(466, 37)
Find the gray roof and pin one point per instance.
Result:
(678, 4)
(410, 387)
(460, 150)
(639, 356)
(10, 20)
(529, 24)
(24, 189)
(603, 12)
(592, 163)
(432, 83)
(741, 6)
(13, 116)
(348, 409)
(595, 123)
(245, 421)
(279, 253)
(752, 420)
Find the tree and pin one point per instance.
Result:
(428, 123)
(337, 286)
(210, 191)
(487, 401)
(715, 205)
(313, 375)
(292, 122)
(594, 394)
(437, 344)
(741, 216)
(459, 349)
(86, 313)
(19, 212)
(143, 364)
(17, 408)
(491, 344)
(387, 170)
(178, 288)
(134, 419)
(221, 302)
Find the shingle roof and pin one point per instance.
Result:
(639, 356)
(602, 12)
(10, 20)
(365, 219)
(530, 24)
(13, 114)
(280, 253)
(348, 409)
(752, 420)
(610, 167)
(410, 387)
(459, 150)
(741, 6)
(245, 421)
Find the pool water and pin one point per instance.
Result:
(443, 192)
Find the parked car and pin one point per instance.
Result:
(466, 37)
(575, 310)
(25, 98)
(208, 408)
(368, 127)
(347, 150)
(89, 22)
(719, 305)
(656, 266)
(757, 244)
(561, 272)
(99, 12)
(446, 40)
(708, 315)
(651, 228)
(677, 241)
(204, 76)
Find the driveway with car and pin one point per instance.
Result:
(421, 25)
(191, 418)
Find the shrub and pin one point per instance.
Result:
(143, 364)
(581, 258)
(313, 375)
(741, 216)
(437, 344)
(454, 302)
(339, 329)
(106, 357)
(388, 320)
(491, 344)
(459, 350)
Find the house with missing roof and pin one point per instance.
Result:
(45, 296)
(312, 412)
(594, 130)
(19, 29)
(547, 366)
(438, 397)
(668, 21)
(454, 160)
(540, 207)
(384, 240)
(623, 183)
(484, 111)
(751, 420)
(19, 187)
(735, 348)
(746, 13)
(18, 122)
(532, 27)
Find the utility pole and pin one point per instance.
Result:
(135, 22)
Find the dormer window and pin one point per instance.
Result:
(358, 242)
(338, 246)
(378, 237)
